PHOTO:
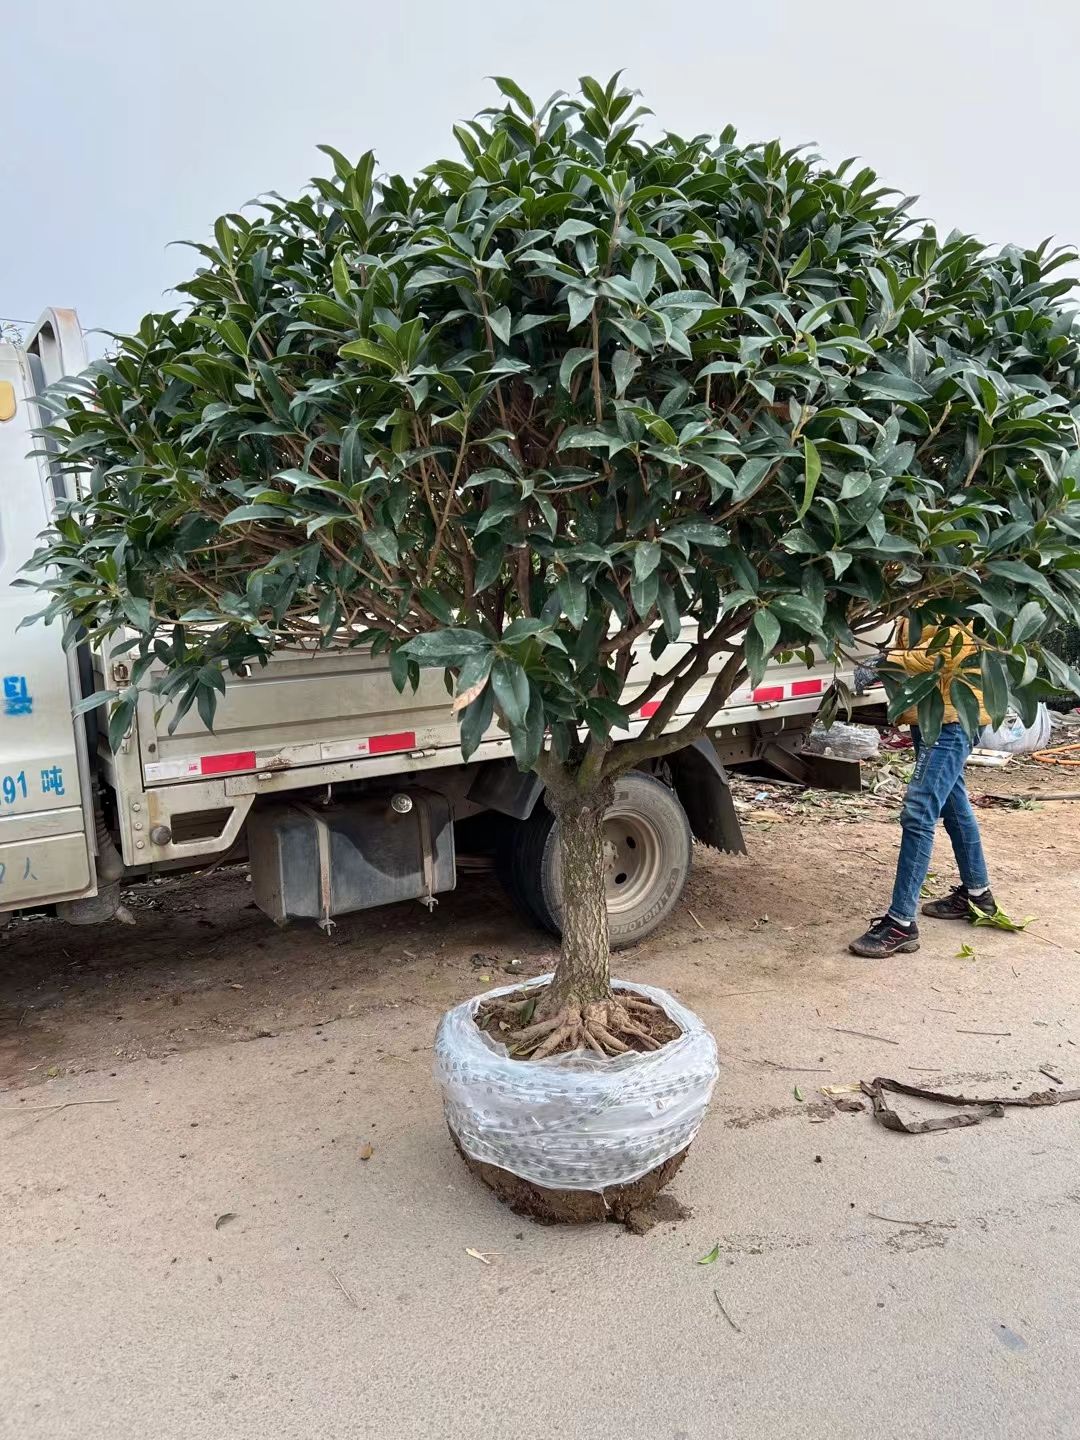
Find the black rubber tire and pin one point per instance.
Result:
(527, 863)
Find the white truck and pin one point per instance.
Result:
(340, 792)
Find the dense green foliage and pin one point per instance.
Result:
(576, 384)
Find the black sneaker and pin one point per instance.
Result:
(958, 904)
(885, 937)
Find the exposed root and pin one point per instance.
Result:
(605, 1027)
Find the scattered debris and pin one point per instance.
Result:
(478, 1255)
(863, 1035)
(999, 920)
(714, 1254)
(349, 1296)
(223, 1220)
(1050, 1075)
(798, 1093)
(482, 962)
(798, 1069)
(833, 1090)
(367, 1150)
(966, 952)
(696, 921)
(892, 1220)
(849, 1107)
(999, 1033)
(724, 1313)
(980, 1108)
(60, 1105)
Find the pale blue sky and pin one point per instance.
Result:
(130, 123)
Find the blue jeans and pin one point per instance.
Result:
(936, 791)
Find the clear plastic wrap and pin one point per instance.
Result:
(574, 1122)
(844, 742)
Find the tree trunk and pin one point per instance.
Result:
(583, 974)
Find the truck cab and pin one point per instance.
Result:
(48, 848)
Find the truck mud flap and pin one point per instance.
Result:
(701, 784)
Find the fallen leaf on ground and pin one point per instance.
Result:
(999, 920)
(966, 952)
(366, 1151)
(798, 1093)
(714, 1254)
(224, 1219)
(476, 1255)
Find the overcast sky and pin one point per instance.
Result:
(130, 123)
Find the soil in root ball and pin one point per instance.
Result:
(628, 1022)
(637, 1205)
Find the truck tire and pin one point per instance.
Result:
(648, 850)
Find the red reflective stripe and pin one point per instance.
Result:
(385, 744)
(767, 692)
(218, 764)
(649, 709)
(807, 687)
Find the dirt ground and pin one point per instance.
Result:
(203, 967)
(204, 1250)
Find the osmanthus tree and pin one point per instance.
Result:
(583, 383)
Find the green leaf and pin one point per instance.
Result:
(382, 541)
(514, 92)
(931, 711)
(624, 365)
(812, 471)
(573, 600)
(797, 612)
(966, 704)
(580, 306)
(445, 647)
(475, 720)
(244, 513)
(527, 739)
(342, 279)
(752, 474)
(646, 559)
(121, 716)
(500, 322)
(999, 920)
(767, 627)
(712, 1256)
(233, 336)
(496, 513)
(570, 362)
(995, 685)
(571, 229)
(511, 686)
(698, 532)
(367, 350)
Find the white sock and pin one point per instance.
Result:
(976, 893)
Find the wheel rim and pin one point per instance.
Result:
(631, 860)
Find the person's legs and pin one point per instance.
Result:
(938, 769)
(974, 888)
(963, 830)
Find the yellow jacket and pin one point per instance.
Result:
(918, 661)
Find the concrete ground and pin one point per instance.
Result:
(205, 1252)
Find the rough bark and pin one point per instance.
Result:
(583, 974)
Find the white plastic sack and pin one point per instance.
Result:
(844, 742)
(1016, 738)
(574, 1122)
